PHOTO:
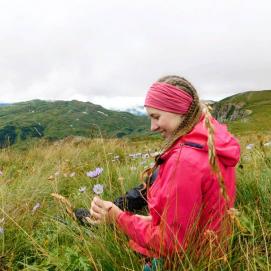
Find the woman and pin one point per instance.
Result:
(195, 183)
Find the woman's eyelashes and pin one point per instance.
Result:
(155, 117)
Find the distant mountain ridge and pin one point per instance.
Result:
(247, 112)
(137, 110)
(5, 104)
(59, 119)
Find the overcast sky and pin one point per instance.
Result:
(110, 52)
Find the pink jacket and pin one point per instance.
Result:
(185, 191)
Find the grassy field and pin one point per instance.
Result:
(37, 233)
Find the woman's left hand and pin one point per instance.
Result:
(103, 211)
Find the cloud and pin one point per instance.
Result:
(93, 49)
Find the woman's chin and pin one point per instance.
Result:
(164, 135)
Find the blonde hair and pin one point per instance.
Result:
(191, 118)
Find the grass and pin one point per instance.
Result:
(49, 239)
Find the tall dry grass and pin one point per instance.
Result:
(37, 233)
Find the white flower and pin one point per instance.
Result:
(36, 207)
(82, 189)
(249, 146)
(98, 189)
(135, 155)
(2, 230)
(145, 156)
(72, 174)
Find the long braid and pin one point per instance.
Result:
(191, 118)
(213, 161)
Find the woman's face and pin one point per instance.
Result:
(164, 122)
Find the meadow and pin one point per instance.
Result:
(37, 232)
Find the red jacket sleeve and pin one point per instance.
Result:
(177, 201)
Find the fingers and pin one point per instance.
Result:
(98, 202)
(99, 210)
(92, 221)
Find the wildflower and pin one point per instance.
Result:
(98, 189)
(1, 173)
(116, 157)
(152, 164)
(82, 189)
(95, 173)
(133, 168)
(57, 173)
(249, 146)
(72, 174)
(2, 230)
(135, 155)
(145, 156)
(267, 144)
(36, 207)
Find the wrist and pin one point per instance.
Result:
(113, 212)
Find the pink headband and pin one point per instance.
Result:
(168, 98)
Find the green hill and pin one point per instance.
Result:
(246, 113)
(59, 119)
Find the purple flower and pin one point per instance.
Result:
(82, 189)
(95, 173)
(98, 189)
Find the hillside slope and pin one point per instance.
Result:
(247, 112)
(58, 119)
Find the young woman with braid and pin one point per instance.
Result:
(195, 176)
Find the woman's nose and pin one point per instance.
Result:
(154, 125)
